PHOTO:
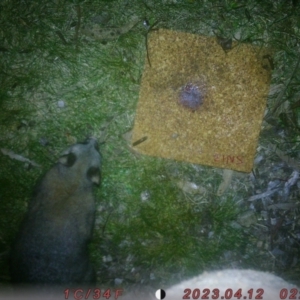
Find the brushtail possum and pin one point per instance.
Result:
(51, 247)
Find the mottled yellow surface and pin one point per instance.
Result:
(223, 132)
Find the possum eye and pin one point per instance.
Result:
(94, 175)
(68, 160)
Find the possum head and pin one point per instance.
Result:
(75, 174)
(82, 160)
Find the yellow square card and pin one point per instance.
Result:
(199, 103)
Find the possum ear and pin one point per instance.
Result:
(94, 175)
(68, 159)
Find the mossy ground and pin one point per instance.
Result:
(174, 231)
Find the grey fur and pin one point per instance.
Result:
(235, 280)
(224, 280)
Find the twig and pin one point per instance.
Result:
(78, 9)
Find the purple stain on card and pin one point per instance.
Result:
(191, 96)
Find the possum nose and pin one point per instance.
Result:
(92, 141)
